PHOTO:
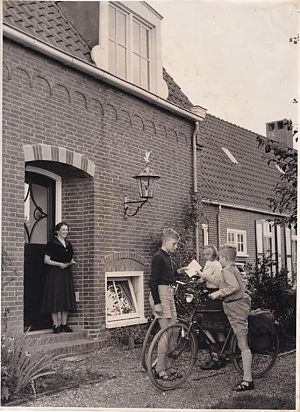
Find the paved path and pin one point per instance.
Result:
(127, 385)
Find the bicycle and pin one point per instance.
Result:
(180, 341)
(153, 329)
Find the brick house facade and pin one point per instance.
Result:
(63, 123)
(235, 185)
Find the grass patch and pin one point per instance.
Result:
(255, 402)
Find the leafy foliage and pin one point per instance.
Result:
(19, 367)
(274, 292)
(193, 213)
(285, 192)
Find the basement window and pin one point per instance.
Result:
(124, 298)
(230, 155)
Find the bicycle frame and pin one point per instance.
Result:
(191, 315)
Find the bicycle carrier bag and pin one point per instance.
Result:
(261, 329)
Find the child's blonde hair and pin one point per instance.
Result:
(229, 251)
(169, 233)
(214, 250)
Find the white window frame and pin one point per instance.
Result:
(136, 286)
(148, 17)
(235, 233)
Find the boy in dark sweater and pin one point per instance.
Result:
(161, 297)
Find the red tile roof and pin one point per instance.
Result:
(175, 93)
(44, 20)
(249, 183)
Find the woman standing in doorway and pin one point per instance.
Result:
(59, 295)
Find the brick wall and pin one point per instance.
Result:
(45, 102)
(235, 219)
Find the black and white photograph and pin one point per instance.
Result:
(149, 156)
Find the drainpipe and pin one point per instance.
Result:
(219, 226)
(195, 186)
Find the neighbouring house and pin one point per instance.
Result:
(84, 96)
(235, 184)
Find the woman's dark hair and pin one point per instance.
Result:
(58, 226)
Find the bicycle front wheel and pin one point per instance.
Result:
(174, 350)
(151, 332)
(262, 359)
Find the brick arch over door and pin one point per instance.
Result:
(59, 154)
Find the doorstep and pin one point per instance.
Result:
(64, 343)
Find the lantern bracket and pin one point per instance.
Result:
(139, 203)
(146, 182)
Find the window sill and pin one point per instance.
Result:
(125, 322)
(242, 256)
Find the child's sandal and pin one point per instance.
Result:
(244, 386)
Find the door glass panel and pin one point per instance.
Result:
(36, 213)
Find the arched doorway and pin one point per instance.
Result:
(42, 209)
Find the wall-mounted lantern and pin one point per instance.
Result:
(146, 183)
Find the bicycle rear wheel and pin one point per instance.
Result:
(151, 332)
(262, 360)
(174, 348)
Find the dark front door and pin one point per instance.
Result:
(39, 220)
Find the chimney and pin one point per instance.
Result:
(280, 131)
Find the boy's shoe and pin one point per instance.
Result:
(213, 365)
(244, 386)
(56, 329)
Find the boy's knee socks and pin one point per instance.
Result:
(247, 362)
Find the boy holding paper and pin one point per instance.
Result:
(162, 294)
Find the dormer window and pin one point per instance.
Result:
(141, 54)
(130, 44)
(117, 42)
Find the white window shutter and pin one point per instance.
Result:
(259, 238)
(288, 243)
(278, 234)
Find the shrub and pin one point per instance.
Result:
(21, 367)
(273, 291)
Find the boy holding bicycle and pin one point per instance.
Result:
(162, 294)
(236, 304)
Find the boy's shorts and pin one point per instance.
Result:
(237, 313)
(166, 295)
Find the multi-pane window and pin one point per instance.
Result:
(129, 44)
(124, 298)
(141, 54)
(238, 239)
(117, 42)
(120, 299)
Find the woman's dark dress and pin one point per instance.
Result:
(59, 292)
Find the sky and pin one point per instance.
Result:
(234, 58)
